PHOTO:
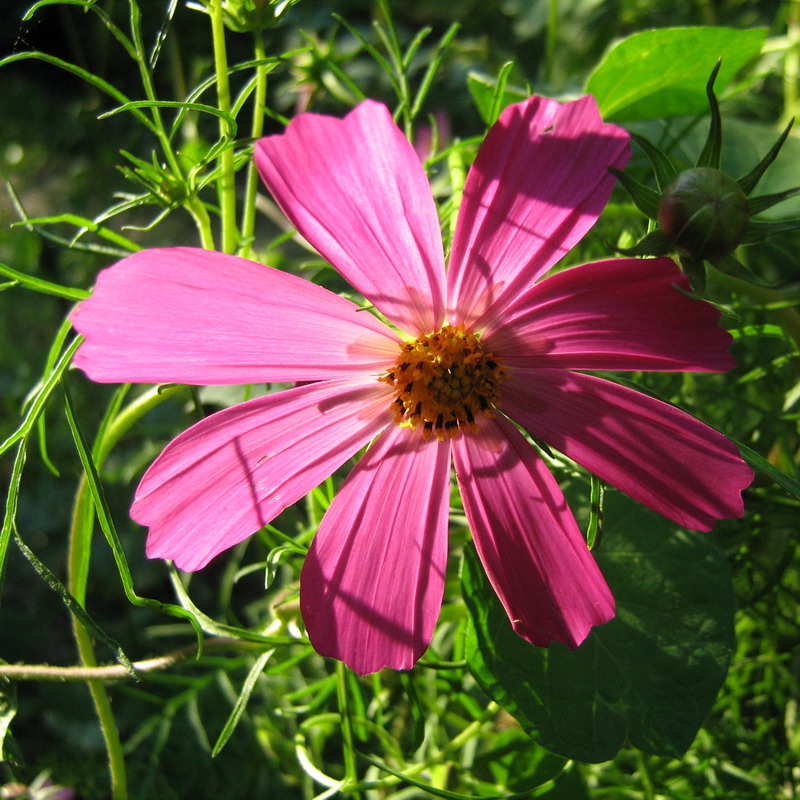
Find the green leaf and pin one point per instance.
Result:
(107, 524)
(492, 95)
(730, 265)
(748, 182)
(663, 73)
(41, 285)
(241, 701)
(49, 577)
(787, 482)
(594, 531)
(654, 243)
(755, 205)
(8, 710)
(644, 198)
(648, 677)
(663, 167)
(712, 149)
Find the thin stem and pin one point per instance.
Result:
(119, 672)
(791, 64)
(644, 772)
(108, 725)
(193, 203)
(392, 44)
(227, 181)
(80, 542)
(348, 742)
(256, 130)
(550, 41)
(79, 553)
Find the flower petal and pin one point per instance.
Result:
(233, 472)
(372, 583)
(527, 538)
(620, 314)
(539, 182)
(185, 315)
(657, 454)
(356, 190)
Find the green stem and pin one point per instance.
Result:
(348, 741)
(119, 672)
(227, 181)
(791, 64)
(257, 129)
(78, 560)
(193, 203)
(80, 542)
(550, 42)
(644, 772)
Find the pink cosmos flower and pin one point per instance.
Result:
(465, 351)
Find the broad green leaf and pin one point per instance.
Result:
(663, 73)
(648, 677)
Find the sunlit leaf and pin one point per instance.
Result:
(663, 73)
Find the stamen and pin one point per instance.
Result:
(443, 380)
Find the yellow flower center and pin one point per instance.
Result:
(443, 381)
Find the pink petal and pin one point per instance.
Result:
(540, 181)
(186, 315)
(527, 538)
(355, 189)
(232, 473)
(657, 454)
(372, 583)
(620, 314)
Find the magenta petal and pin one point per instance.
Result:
(527, 538)
(657, 454)
(186, 315)
(539, 182)
(372, 583)
(356, 190)
(621, 314)
(232, 473)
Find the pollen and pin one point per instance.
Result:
(443, 381)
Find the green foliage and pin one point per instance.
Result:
(129, 125)
(647, 678)
(659, 74)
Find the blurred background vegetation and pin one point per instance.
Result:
(56, 157)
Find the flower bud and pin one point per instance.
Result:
(254, 15)
(704, 213)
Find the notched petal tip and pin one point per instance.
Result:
(538, 184)
(527, 539)
(356, 191)
(572, 637)
(372, 583)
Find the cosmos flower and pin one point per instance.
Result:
(461, 354)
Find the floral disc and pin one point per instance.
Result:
(444, 380)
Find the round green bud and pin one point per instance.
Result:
(704, 213)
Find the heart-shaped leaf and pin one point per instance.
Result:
(647, 678)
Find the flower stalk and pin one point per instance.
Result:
(227, 181)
